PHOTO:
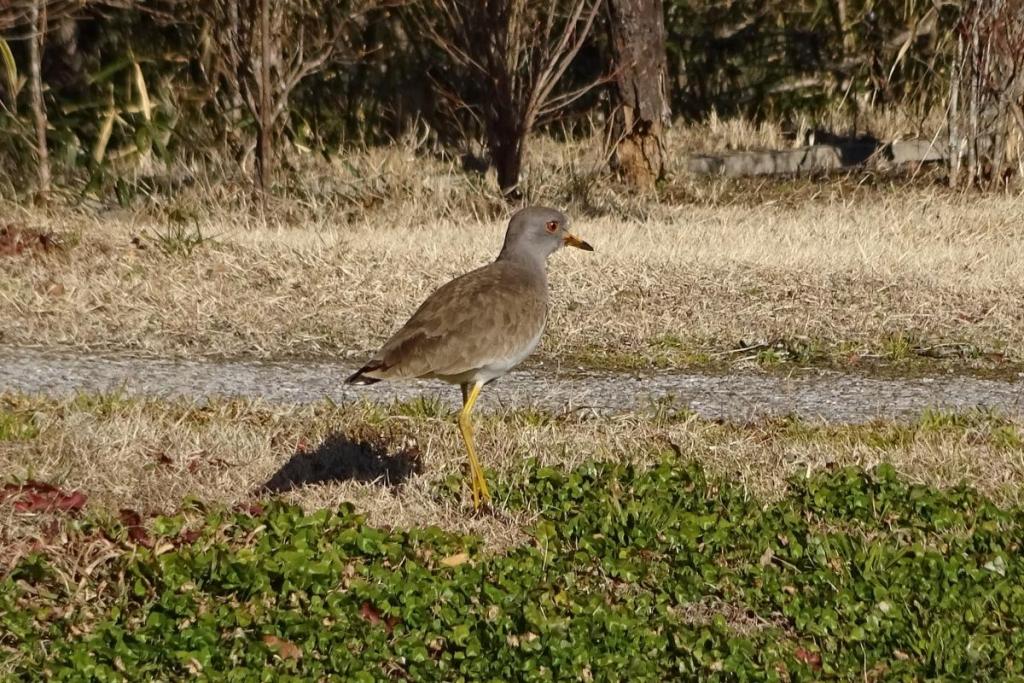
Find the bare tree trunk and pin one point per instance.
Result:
(638, 42)
(973, 93)
(508, 59)
(953, 113)
(264, 119)
(37, 20)
(508, 162)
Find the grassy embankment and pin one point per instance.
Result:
(639, 548)
(635, 547)
(860, 272)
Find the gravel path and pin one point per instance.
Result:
(827, 396)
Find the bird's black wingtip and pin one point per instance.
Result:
(361, 379)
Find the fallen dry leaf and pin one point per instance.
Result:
(163, 549)
(164, 459)
(38, 496)
(51, 288)
(285, 649)
(137, 533)
(455, 560)
(254, 509)
(371, 614)
(811, 659)
(15, 240)
(188, 536)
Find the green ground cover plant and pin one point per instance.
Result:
(628, 573)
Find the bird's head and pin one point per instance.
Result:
(537, 232)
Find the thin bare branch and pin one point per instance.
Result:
(508, 64)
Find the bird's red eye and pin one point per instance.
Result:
(552, 226)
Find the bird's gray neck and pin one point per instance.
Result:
(525, 257)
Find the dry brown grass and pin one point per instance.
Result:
(850, 275)
(844, 268)
(397, 463)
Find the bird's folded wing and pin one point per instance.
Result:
(482, 317)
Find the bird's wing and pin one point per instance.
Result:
(482, 317)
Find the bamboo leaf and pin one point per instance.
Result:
(100, 149)
(140, 85)
(143, 139)
(10, 69)
(911, 36)
(108, 72)
(123, 152)
(899, 56)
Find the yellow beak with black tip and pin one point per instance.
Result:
(572, 240)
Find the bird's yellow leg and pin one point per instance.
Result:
(466, 427)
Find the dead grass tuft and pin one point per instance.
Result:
(845, 268)
(740, 619)
(405, 467)
(672, 286)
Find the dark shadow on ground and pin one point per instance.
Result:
(853, 150)
(341, 458)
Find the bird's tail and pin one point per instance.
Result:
(360, 376)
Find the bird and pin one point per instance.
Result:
(477, 327)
